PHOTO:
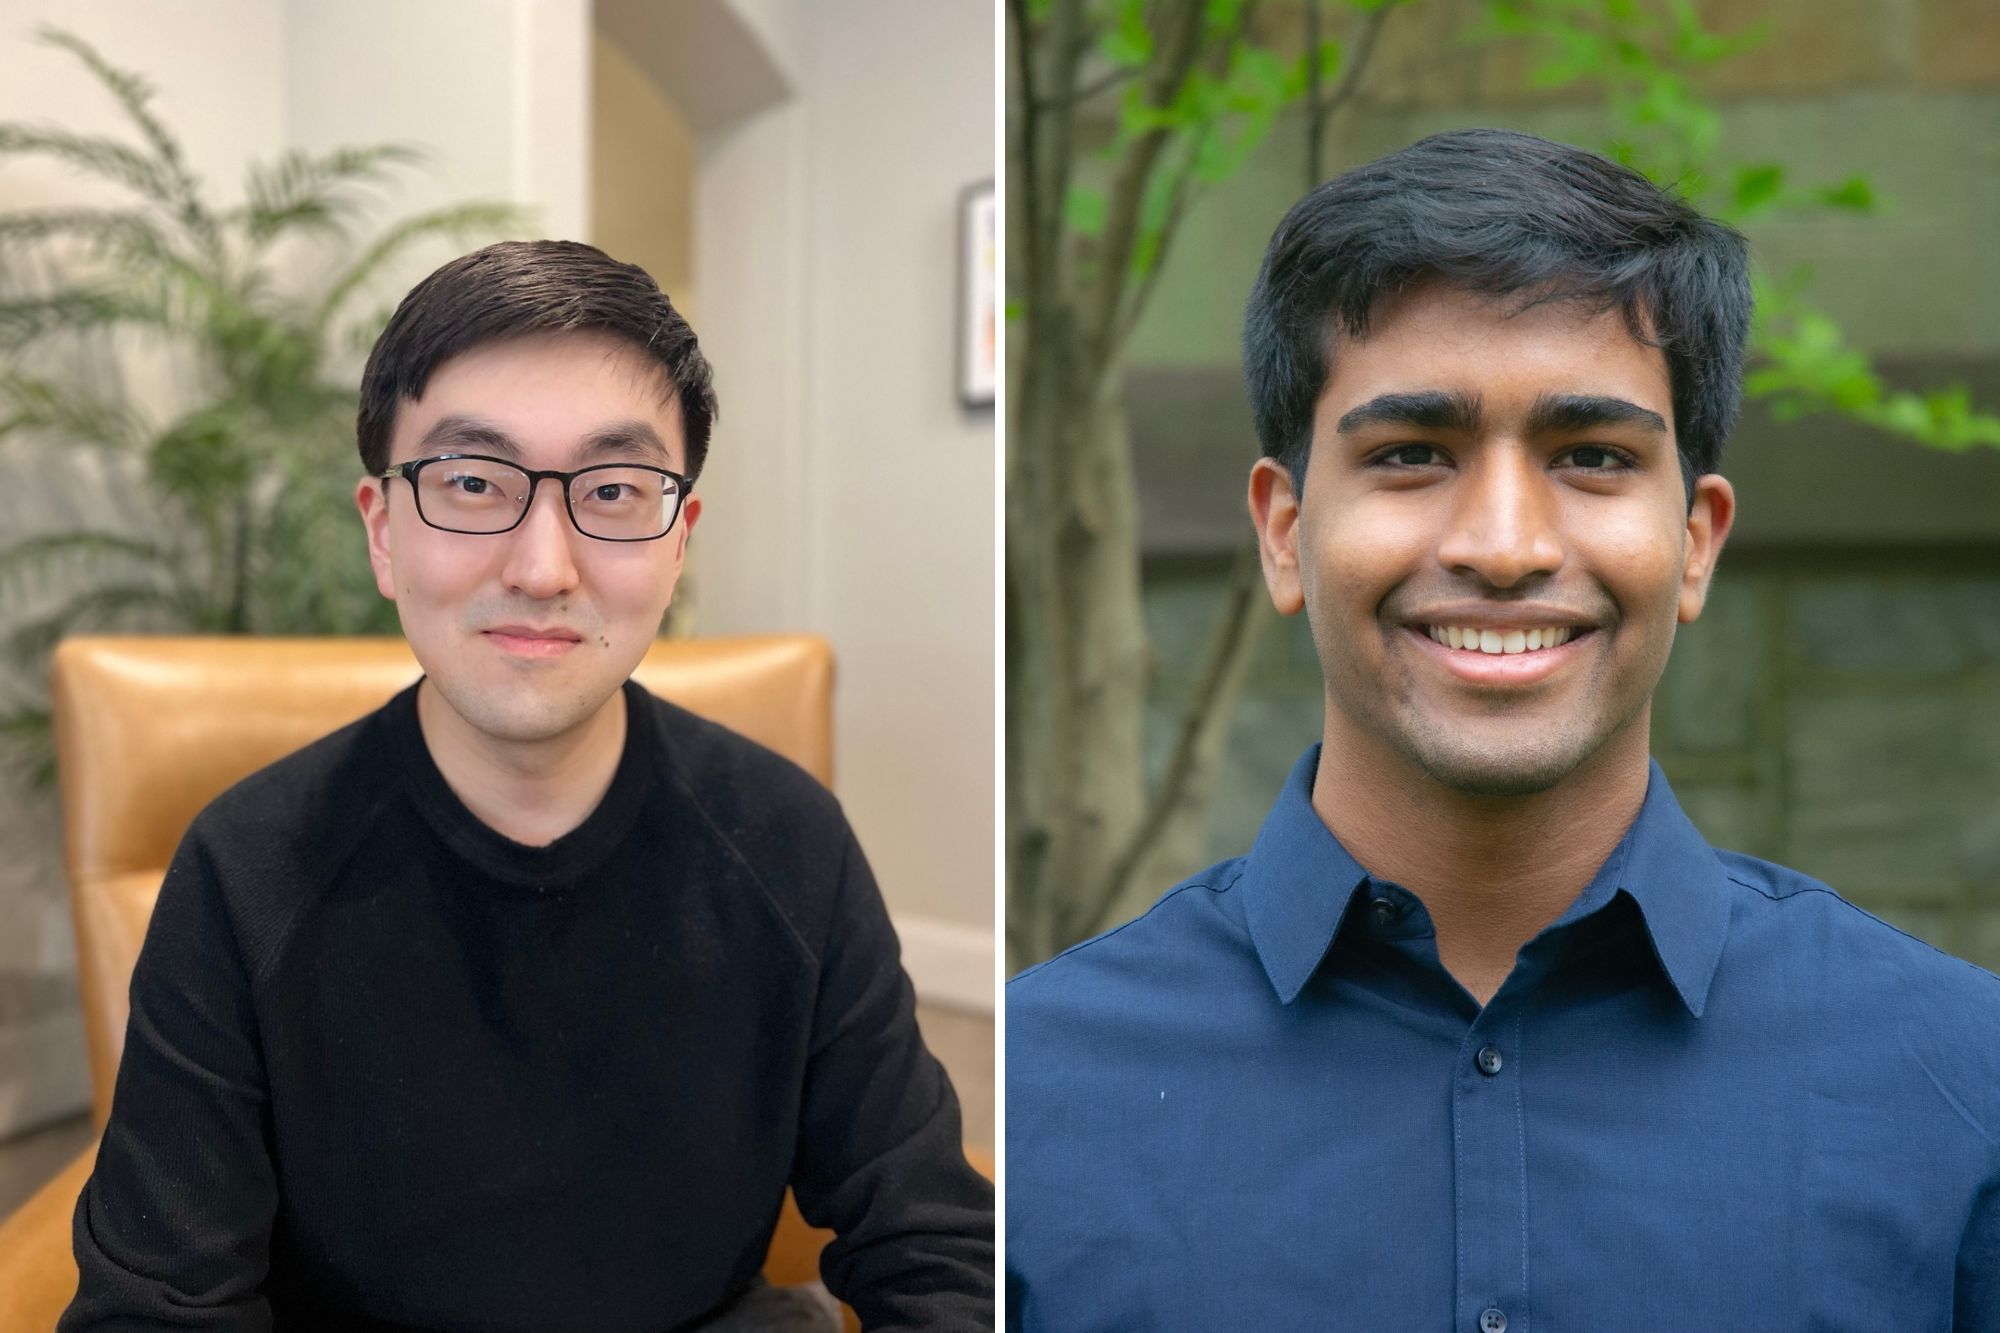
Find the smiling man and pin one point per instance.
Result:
(1482, 1034)
(518, 1003)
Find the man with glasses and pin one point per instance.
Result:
(519, 1002)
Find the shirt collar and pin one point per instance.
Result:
(1299, 884)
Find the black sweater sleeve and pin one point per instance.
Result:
(880, 1156)
(173, 1228)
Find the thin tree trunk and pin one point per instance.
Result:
(1085, 840)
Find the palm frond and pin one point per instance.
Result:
(28, 742)
(131, 90)
(95, 154)
(362, 335)
(312, 572)
(181, 190)
(28, 402)
(459, 222)
(27, 319)
(105, 606)
(98, 230)
(34, 562)
(302, 191)
(203, 460)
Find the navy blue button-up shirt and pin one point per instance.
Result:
(1711, 1095)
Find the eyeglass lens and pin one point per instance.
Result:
(614, 503)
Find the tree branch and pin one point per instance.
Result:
(1174, 59)
(1136, 306)
(1353, 67)
(1102, 83)
(1026, 134)
(1200, 731)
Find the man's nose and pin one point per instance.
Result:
(542, 559)
(1504, 520)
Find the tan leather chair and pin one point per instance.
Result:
(150, 729)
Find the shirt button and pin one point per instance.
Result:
(1384, 910)
(1489, 1063)
(1492, 1319)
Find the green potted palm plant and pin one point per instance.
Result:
(243, 489)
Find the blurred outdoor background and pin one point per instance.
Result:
(1837, 706)
(201, 231)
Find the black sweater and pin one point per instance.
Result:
(389, 1068)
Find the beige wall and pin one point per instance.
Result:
(849, 492)
(902, 512)
(642, 172)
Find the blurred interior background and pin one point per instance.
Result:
(791, 174)
(1837, 706)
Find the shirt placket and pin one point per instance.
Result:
(1489, 1158)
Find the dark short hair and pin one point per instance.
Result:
(516, 288)
(1503, 214)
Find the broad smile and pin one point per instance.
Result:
(1482, 668)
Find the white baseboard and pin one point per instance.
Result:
(949, 964)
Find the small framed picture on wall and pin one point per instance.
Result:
(978, 296)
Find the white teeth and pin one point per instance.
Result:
(1498, 642)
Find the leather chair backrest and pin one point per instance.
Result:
(150, 729)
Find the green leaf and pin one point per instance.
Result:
(1507, 18)
(27, 743)
(33, 403)
(104, 607)
(1121, 49)
(33, 563)
(25, 319)
(104, 158)
(97, 231)
(305, 192)
(1137, 116)
(1256, 78)
(1854, 194)
(1155, 205)
(458, 223)
(1085, 210)
(133, 94)
(1758, 185)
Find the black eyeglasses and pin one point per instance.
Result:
(476, 494)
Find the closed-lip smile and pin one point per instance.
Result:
(529, 632)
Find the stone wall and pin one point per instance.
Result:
(1837, 712)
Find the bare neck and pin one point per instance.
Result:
(1492, 871)
(531, 791)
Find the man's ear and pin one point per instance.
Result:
(1708, 527)
(1274, 511)
(372, 499)
(684, 526)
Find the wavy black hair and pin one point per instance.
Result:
(515, 288)
(1505, 214)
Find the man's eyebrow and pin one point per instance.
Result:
(1550, 414)
(624, 439)
(1567, 413)
(1424, 409)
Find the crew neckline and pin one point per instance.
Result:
(560, 863)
